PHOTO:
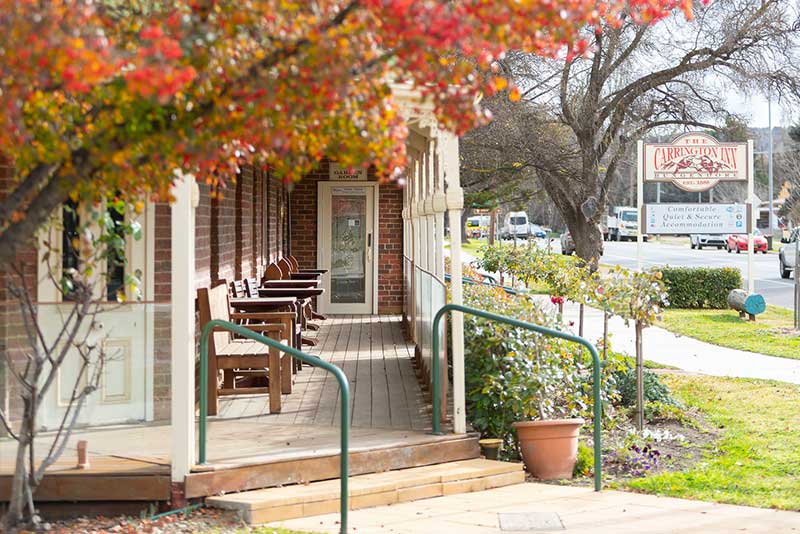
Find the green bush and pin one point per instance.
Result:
(584, 464)
(654, 389)
(700, 287)
(516, 375)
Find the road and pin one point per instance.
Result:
(768, 282)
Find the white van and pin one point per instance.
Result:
(516, 225)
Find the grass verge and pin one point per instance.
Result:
(770, 334)
(755, 460)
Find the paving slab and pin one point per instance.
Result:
(580, 510)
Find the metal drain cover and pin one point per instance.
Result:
(530, 521)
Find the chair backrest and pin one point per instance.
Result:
(294, 263)
(285, 267)
(251, 285)
(214, 303)
(273, 272)
(239, 289)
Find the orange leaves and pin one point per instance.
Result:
(209, 86)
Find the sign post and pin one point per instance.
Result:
(797, 284)
(639, 200)
(696, 162)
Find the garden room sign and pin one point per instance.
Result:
(340, 173)
(695, 162)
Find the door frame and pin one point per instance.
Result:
(323, 215)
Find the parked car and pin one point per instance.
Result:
(567, 244)
(537, 231)
(738, 242)
(787, 254)
(698, 241)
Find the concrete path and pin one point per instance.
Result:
(551, 508)
(683, 352)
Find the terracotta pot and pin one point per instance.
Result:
(490, 447)
(549, 448)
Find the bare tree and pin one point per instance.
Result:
(95, 247)
(637, 80)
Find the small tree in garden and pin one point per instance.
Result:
(96, 248)
(639, 297)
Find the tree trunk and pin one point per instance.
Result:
(466, 213)
(588, 239)
(15, 515)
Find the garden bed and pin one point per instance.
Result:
(204, 521)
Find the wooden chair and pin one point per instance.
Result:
(239, 358)
(295, 266)
(278, 272)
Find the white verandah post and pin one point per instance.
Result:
(455, 203)
(186, 195)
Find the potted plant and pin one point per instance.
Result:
(548, 441)
(516, 377)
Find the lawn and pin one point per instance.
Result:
(755, 462)
(770, 334)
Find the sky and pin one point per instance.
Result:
(754, 109)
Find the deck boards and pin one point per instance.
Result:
(388, 408)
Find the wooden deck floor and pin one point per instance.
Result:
(388, 410)
(377, 361)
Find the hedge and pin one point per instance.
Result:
(700, 287)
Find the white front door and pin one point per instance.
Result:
(346, 246)
(126, 381)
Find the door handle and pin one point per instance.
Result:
(369, 240)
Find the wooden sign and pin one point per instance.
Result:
(338, 173)
(695, 162)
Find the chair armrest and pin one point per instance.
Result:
(268, 327)
(264, 316)
(265, 327)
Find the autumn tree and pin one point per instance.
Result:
(640, 79)
(103, 102)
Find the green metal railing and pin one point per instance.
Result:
(597, 408)
(344, 388)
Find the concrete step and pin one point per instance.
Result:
(377, 489)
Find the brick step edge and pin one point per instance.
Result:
(414, 484)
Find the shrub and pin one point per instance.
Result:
(584, 464)
(654, 389)
(514, 375)
(700, 287)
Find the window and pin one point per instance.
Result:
(519, 220)
(70, 246)
(629, 216)
(115, 262)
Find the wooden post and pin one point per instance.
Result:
(580, 320)
(639, 378)
(83, 454)
(187, 197)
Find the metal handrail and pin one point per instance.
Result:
(344, 388)
(434, 276)
(597, 408)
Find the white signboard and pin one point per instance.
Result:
(338, 173)
(695, 219)
(695, 162)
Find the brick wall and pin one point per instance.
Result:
(13, 337)
(162, 327)
(390, 234)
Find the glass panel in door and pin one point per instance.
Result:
(348, 245)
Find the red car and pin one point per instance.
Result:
(738, 242)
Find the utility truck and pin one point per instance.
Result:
(623, 224)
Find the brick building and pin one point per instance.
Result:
(381, 242)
